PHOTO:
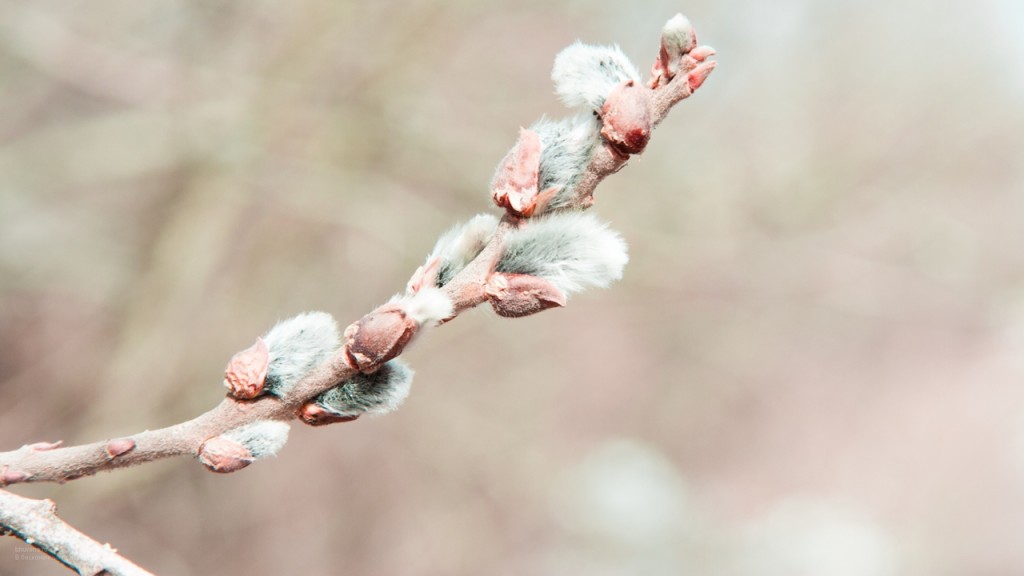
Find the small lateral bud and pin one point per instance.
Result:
(223, 455)
(246, 372)
(425, 276)
(8, 477)
(378, 337)
(119, 447)
(515, 184)
(517, 295)
(626, 118)
(44, 446)
(316, 415)
(698, 75)
(242, 446)
(701, 53)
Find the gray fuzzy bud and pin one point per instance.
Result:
(585, 74)
(236, 449)
(677, 40)
(678, 37)
(457, 247)
(571, 250)
(297, 346)
(567, 146)
(377, 393)
(262, 439)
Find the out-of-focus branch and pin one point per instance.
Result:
(36, 522)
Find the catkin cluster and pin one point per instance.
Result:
(542, 249)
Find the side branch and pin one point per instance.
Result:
(36, 522)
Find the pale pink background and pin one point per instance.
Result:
(813, 365)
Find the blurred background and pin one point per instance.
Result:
(812, 366)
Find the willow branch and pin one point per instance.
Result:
(36, 522)
(627, 116)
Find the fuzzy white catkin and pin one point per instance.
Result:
(459, 245)
(571, 250)
(427, 307)
(567, 146)
(677, 35)
(262, 439)
(376, 394)
(585, 74)
(297, 346)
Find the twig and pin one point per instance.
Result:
(36, 522)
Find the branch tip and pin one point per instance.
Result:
(699, 74)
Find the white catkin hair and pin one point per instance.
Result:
(677, 35)
(458, 246)
(585, 74)
(567, 146)
(377, 393)
(262, 439)
(571, 250)
(428, 306)
(297, 346)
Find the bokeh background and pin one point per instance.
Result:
(812, 366)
